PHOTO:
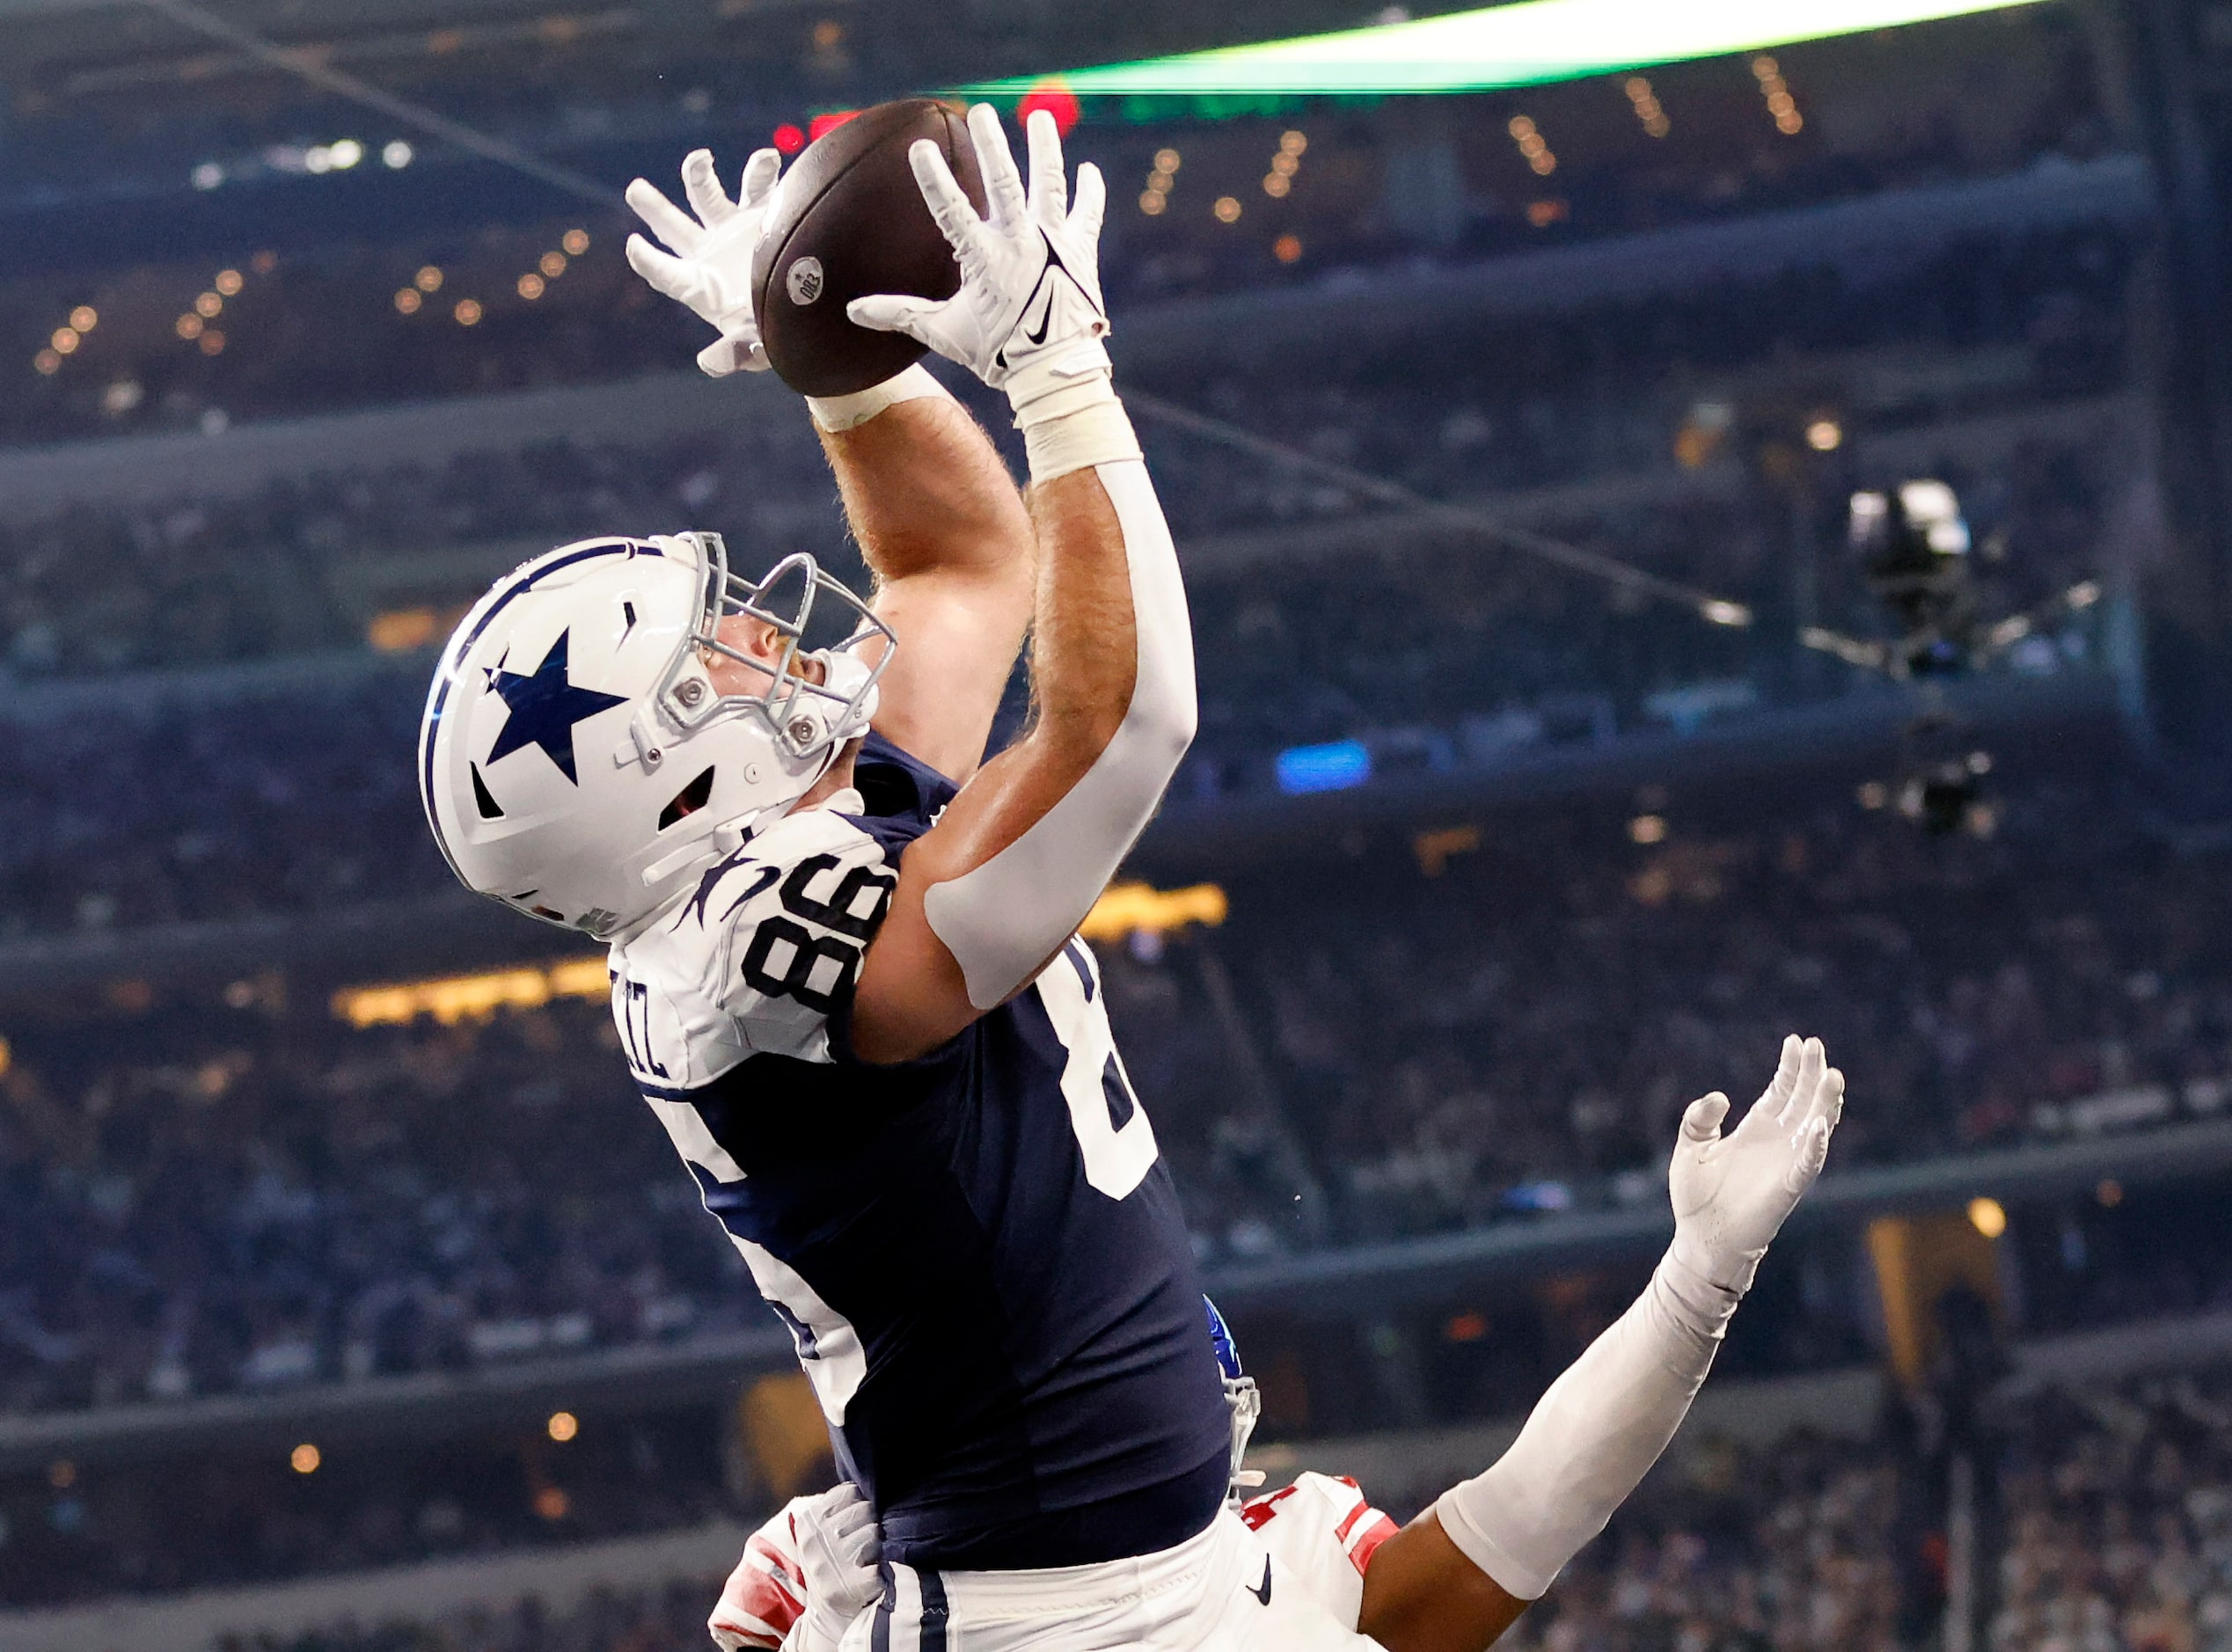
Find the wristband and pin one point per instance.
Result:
(1097, 432)
(838, 414)
(1053, 383)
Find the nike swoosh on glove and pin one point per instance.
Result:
(709, 269)
(1028, 318)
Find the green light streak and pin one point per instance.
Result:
(1523, 45)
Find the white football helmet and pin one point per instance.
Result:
(576, 761)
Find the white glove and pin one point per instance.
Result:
(1732, 1193)
(804, 1576)
(840, 1545)
(713, 271)
(1029, 317)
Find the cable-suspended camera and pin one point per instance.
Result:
(1917, 557)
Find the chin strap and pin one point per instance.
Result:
(845, 676)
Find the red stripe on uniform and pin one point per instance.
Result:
(1263, 1508)
(761, 1637)
(1379, 1531)
(767, 1598)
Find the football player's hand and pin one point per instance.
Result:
(839, 1544)
(1029, 316)
(1732, 1192)
(709, 267)
(805, 1576)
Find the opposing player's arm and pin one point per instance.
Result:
(1462, 1573)
(991, 892)
(945, 532)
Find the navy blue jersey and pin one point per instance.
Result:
(979, 1253)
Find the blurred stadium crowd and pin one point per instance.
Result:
(317, 326)
(83, 1531)
(666, 1618)
(1435, 651)
(1707, 401)
(2116, 1534)
(209, 694)
(208, 1199)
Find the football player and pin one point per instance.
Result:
(1461, 1574)
(844, 958)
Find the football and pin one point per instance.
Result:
(849, 220)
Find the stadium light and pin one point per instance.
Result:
(1528, 44)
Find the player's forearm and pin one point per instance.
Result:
(1084, 669)
(1593, 1437)
(923, 488)
(1017, 861)
(1084, 656)
(1115, 685)
(1603, 1423)
(992, 891)
(1462, 1573)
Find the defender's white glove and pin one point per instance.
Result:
(804, 1576)
(1731, 1193)
(1028, 318)
(711, 268)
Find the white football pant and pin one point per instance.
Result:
(1221, 1591)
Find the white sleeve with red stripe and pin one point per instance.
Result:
(1324, 1531)
(766, 1595)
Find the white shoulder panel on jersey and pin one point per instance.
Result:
(1324, 1531)
(758, 958)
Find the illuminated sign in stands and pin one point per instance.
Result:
(1528, 44)
(453, 998)
(1129, 909)
(1123, 910)
(1329, 768)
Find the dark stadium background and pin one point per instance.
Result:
(348, 1298)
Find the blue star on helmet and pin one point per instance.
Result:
(544, 707)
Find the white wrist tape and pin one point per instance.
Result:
(1058, 381)
(1006, 918)
(1593, 1437)
(1097, 433)
(837, 413)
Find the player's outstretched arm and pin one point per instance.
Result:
(991, 892)
(936, 513)
(944, 530)
(1462, 1573)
